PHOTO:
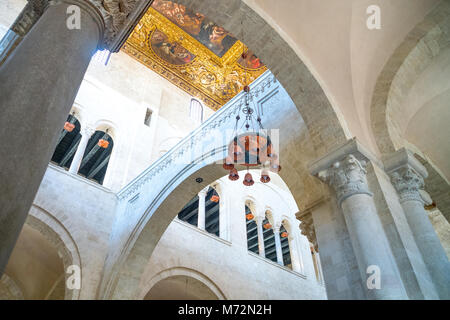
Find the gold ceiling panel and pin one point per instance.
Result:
(176, 47)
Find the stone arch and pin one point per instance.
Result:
(103, 125)
(428, 41)
(182, 271)
(55, 232)
(425, 42)
(159, 204)
(251, 203)
(78, 112)
(322, 121)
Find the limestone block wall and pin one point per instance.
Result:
(85, 211)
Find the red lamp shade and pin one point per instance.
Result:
(215, 198)
(69, 126)
(248, 180)
(102, 143)
(228, 164)
(284, 234)
(249, 216)
(233, 175)
(265, 177)
(267, 226)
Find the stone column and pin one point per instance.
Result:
(344, 170)
(407, 175)
(201, 208)
(295, 259)
(259, 224)
(276, 233)
(38, 84)
(78, 157)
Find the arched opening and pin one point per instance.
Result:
(36, 267)
(96, 156)
(180, 287)
(252, 231)
(269, 237)
(68, 142)
(203, 211)
(285, 247)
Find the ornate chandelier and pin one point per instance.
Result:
(250, 146)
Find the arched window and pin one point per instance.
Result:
(67, 143)
(269, 240)
(196, 111)
(96, 156)
(285, 249)
(211, 211)
(252, 231)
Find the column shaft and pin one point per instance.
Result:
(78, 157)
(372, 251)
(201, 210)
(276, 233)
(261, 248)
(429, 245)
(38, 84)
(408, 183)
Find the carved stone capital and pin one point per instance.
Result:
(347, 177)
(408, 184)
(117, 18)
(407, 175)
(307, 227)
(344, 169)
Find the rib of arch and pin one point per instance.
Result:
(181, 271)
(55, 232)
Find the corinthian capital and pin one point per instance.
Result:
(407, 175)
(118, 17)
(408, 184)
(347, 177)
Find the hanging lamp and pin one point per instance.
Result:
(250, 147)
(69, 126)
(215, 197)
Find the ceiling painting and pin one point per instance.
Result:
(193, 53)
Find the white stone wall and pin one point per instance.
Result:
(226, 261)
(117, 96)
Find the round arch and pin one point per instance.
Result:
(425, 42)
(284, 63)
(405, 70)
(182, 272)
(55, 232)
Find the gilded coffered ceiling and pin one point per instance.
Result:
(193, 53)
